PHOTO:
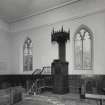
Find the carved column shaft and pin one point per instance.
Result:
(62, 52)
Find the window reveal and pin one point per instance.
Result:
(83, 48)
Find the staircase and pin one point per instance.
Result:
(43, 80)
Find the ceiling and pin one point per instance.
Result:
(12, 10)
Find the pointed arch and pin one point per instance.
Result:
(83, 48)
(27, 55)
(82, 26)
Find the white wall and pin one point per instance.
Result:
(38, 28)
(5, 62)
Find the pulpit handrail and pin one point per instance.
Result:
(40, 71)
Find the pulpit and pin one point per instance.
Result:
(59, 67)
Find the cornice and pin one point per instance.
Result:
(44, 11)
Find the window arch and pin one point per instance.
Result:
(83, 45)
(27, 55)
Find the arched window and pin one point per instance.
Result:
(27, 55)
(83, 45)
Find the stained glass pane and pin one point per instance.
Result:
(27, 55)
(78, 37)
(78, 52)
(82, 31)
(87, 52)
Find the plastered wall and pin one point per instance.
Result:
(5, 48)
(38, 28)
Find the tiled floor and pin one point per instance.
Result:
(49, 98)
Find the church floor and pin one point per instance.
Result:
(48, 98)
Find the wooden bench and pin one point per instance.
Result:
(98, 97)
(4, 96)
(15, 94)
(10, 95)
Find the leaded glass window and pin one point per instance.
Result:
(83, 48)
(27, 55)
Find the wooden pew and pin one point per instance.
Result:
(15, 94)
(97, 97)
(11, 95)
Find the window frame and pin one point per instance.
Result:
(28, 55)
(87, 29)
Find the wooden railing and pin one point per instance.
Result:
(44, 70)
(40, 83)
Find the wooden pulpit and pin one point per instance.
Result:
(59, 67)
